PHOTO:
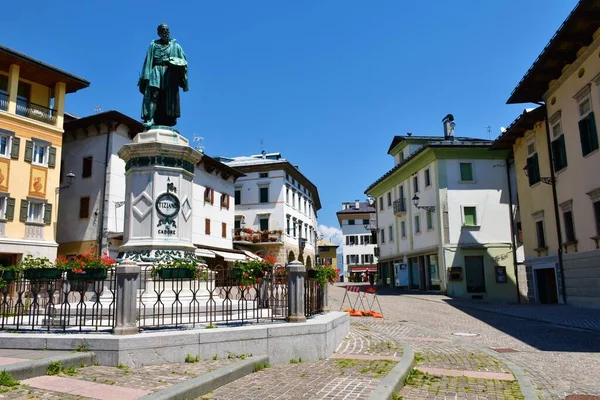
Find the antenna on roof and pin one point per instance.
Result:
(97, 109)
(489, 129)
(261, 147)
(198, 143)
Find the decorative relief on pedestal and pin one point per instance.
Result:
(167, 207)
(186, 208)
(160, 161)
(154, 256)
(142, 205)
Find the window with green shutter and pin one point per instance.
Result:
(533, 169)
(47, 213)
(15, 147)
(470, 216)
(28, 151)
(588, 134)
(23, 210)
(559, 153)
(466, 172)
(9, 213)
(429, 220)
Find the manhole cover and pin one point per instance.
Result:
(465, 334)
(507, 350)
(581, 397)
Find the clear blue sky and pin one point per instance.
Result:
(326, 83)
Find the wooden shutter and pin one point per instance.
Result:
(23, 210)
(593, 132)
(47, 213)
(51, 157)
(16, 146)
(10, 209)
(28, 151)
(212, 196)
(223, 229)
(207, 226)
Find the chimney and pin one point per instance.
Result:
(449, 125)
(356, 204)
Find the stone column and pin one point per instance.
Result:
(128, 281)
(325, 299)
(296, 272)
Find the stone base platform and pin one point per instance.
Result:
(316, 338)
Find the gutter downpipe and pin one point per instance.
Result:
(555, 199)
(512, 230)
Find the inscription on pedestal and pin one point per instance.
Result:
(167, 206)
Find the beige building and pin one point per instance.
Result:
(556, 150)
(32, 103)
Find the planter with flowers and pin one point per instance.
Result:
(250, 271)
(86, 267)
(193, 269)
(39, 268)
(10, 273)
(326, 274)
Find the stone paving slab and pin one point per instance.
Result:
(85, 389)
(10, 360)
(470, 374)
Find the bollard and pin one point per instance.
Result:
(128, 281)
(325, 299)
(295, 273)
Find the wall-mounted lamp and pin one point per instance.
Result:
(415, 201)
(548, 180)
(70, 178)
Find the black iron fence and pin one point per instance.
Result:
(313, 297)
(36, 111)
(58, 304)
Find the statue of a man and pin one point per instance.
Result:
(163, 73)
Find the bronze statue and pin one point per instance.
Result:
(163, 73)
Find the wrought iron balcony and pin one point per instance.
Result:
(3, 101)
(400, 206)
(37, 112)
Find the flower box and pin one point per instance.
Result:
(9, 275)
(175, 273)
(43, 274)
(91, 274)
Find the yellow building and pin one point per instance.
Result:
(556, 149)
(327, 253)
(32, 103)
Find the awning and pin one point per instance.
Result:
(363, 269)
(230, 256)
(204, 253)
(252, 255)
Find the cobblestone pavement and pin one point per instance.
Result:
(557, 361)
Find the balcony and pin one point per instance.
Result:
(249, 236)
(400, 207)
(37, 112)
(3, 102)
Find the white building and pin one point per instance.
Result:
(358, 241)
(275, 208)
(445, 217)
(92, 216)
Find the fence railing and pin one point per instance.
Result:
(3, 101)
(313, 297)
(37, 112)
(58, 304)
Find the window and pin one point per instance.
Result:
(429, 220)
(381, 203)
(389, 199)
(23, 94)
(264, 195)
(559, 152)
(295, 224)
(367, 239)
(237, 224)
(263, 174)
(35, 212)
(587, 127)
(223, 229)
(569, 226)
(427, 178)
(415, 184)
(40, 153)
(209, 195)
(366, 222)
(238, 196)
(287, 176)
(597, 215)
(417, 224)
(7, 208)
(264, 223)
(4, 145)
(403, 228)
(351, 222)
(31, 211)
(382, 233)
(539, 230)
(84, 207)
(294, 199)
(466, 172)
(287, 195)
(391, 232)
(470, 216)
(87, 167)
(533, 165)
(207, 226)
(225, 201)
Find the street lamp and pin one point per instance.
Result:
(415, 201)
(548, 180)
(70, 178)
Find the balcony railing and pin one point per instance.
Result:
(37, 112)
(400, 206)
(3, 102)
(256, 237)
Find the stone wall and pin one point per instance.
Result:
(582, 278)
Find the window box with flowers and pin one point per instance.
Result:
(193, 269)
(86, 267)
(39, 268)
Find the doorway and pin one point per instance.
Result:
(475, 274)
(546, 285)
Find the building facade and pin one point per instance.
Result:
(91, 218)
(327, 253)
(32, 103)
(443, 215)
(275, 209)
(358, 240)
(556, 151)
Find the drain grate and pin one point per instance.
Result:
(506, 350)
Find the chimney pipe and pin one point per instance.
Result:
(449, 125)
(356, 204)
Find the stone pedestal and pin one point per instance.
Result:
(325, 299)
(128, 276)
(296, 272)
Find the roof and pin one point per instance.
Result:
(38, 71)
(518, 127)
(397, 139)
(363, 207)
(73, 122)
(226, 170)
(471, 143)
(574, 33)
(326, 243)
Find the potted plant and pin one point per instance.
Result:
(325, 274)
(181, 269)
(39, 268)
(86, 267)
(252, 271)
